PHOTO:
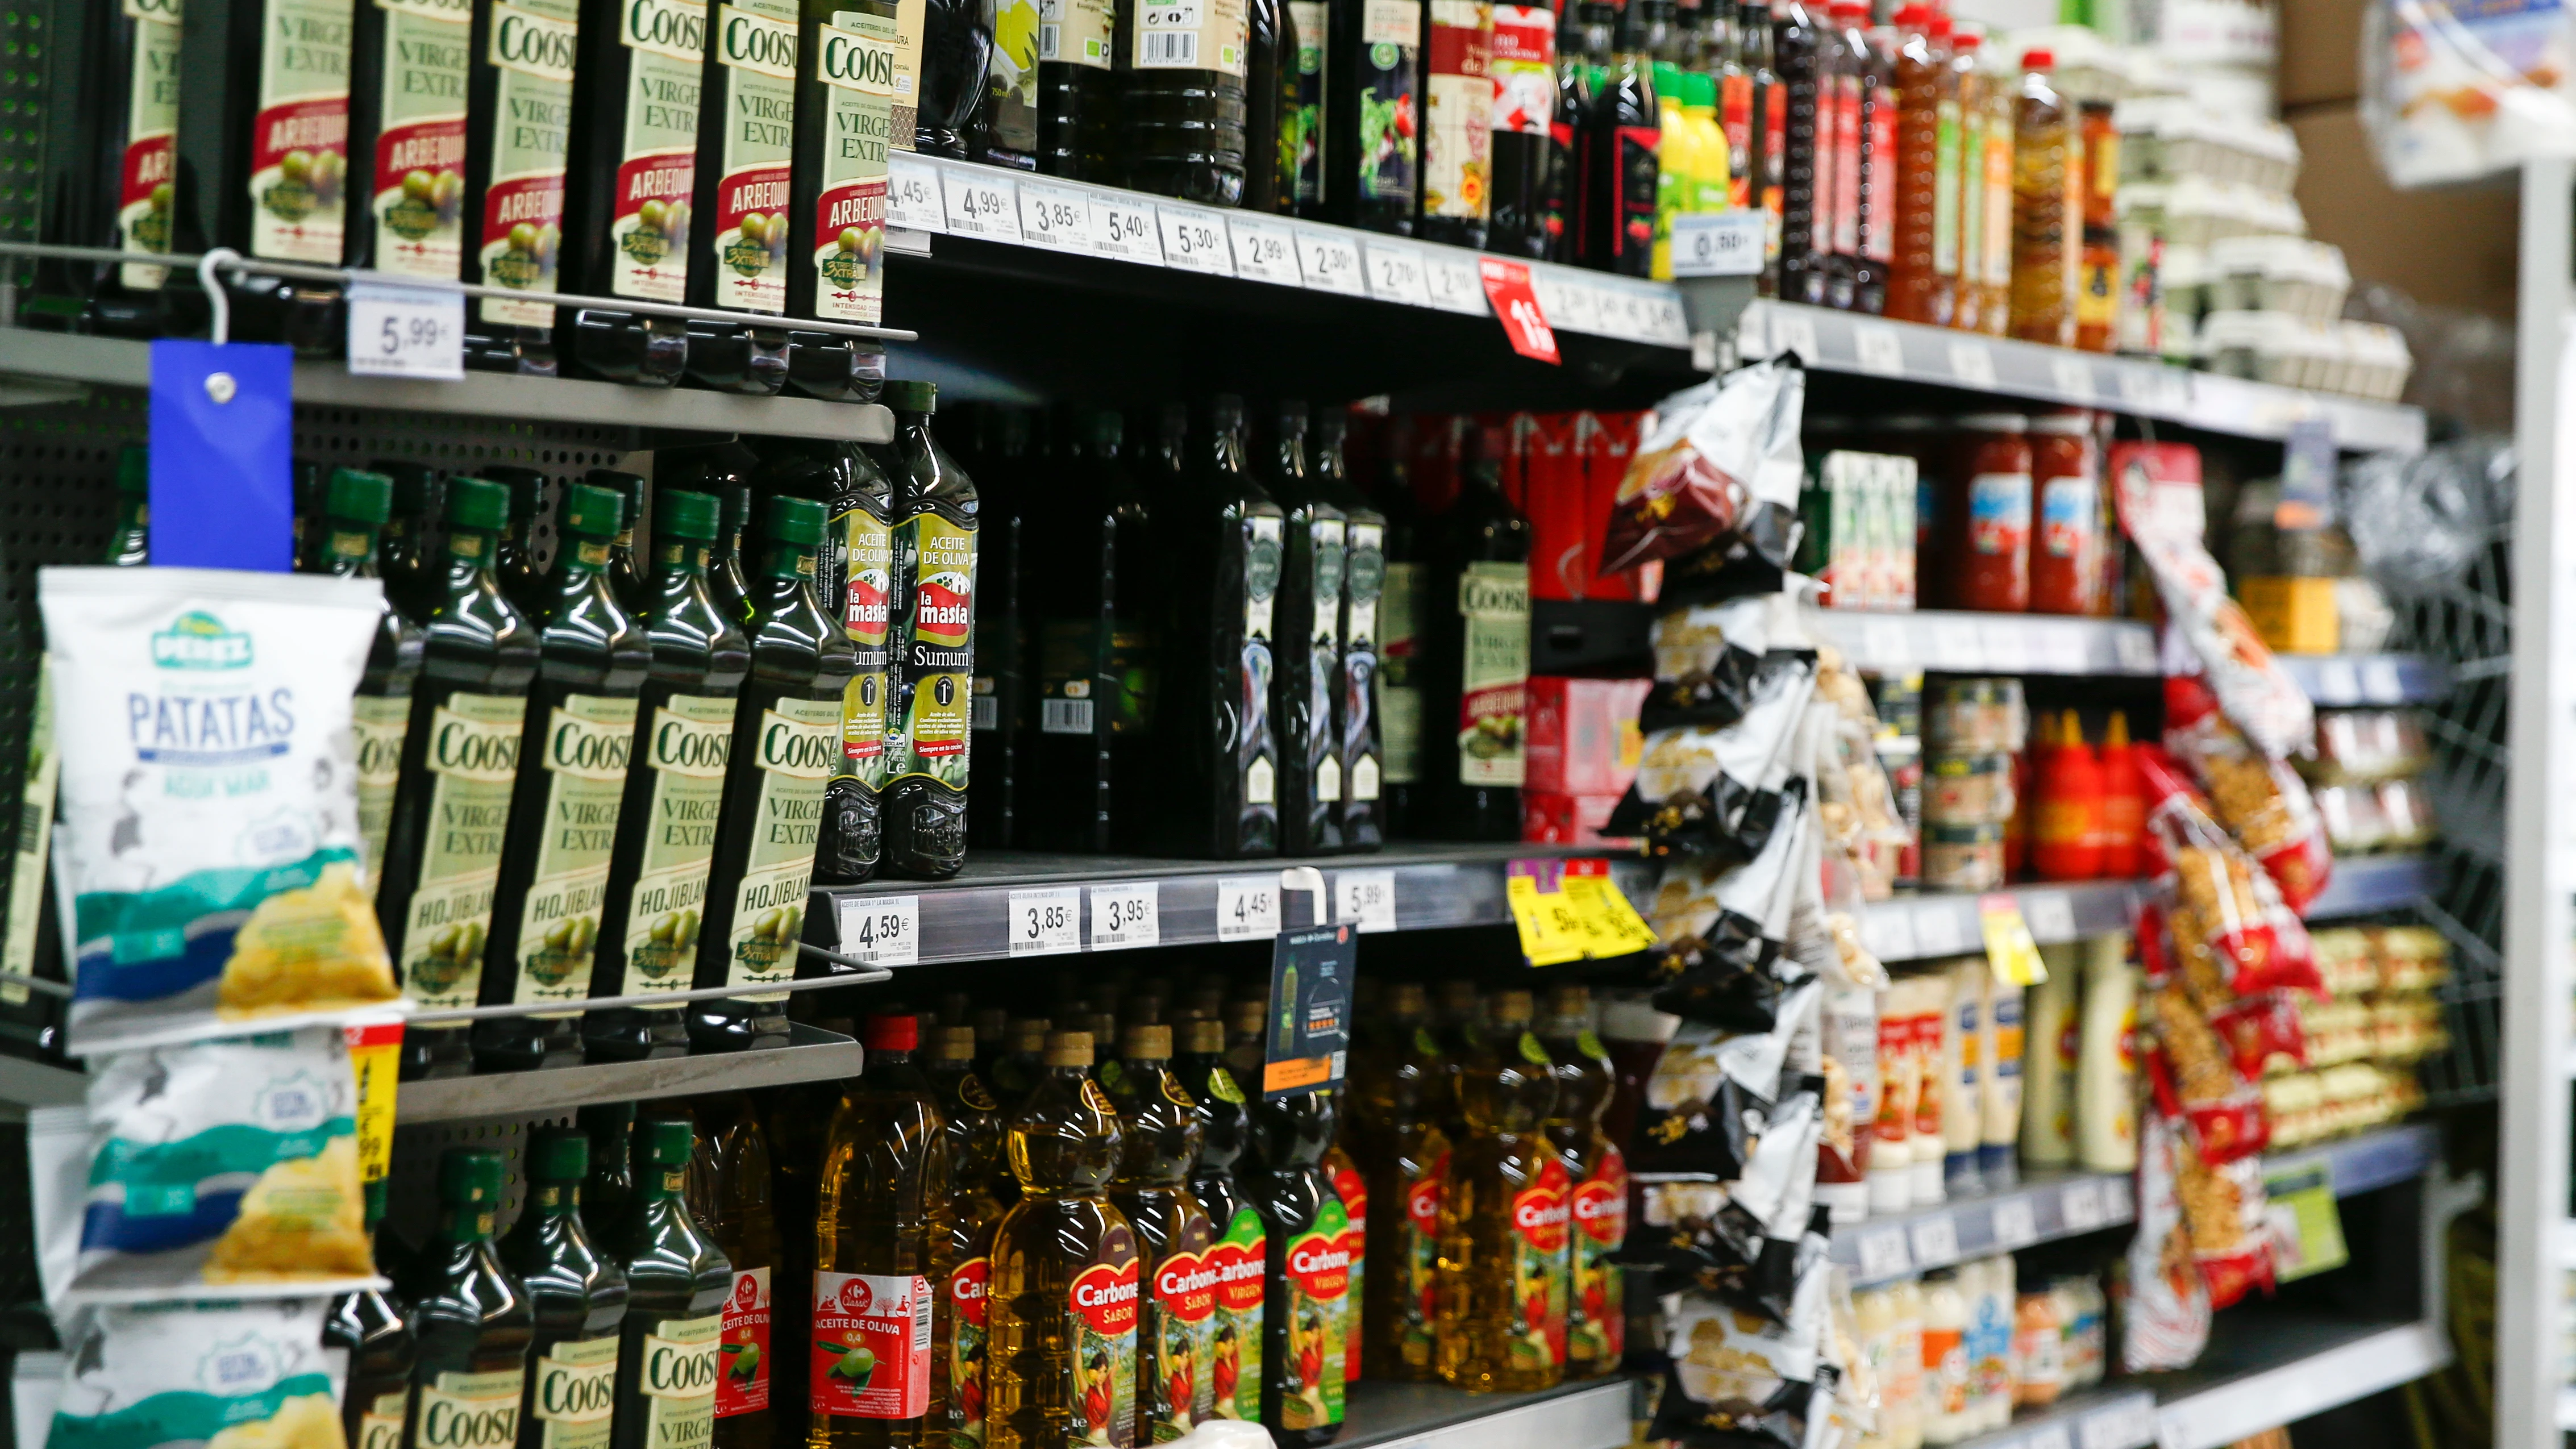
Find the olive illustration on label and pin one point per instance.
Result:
(857, 1366)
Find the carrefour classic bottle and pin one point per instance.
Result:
(1596, 1323)
(1174, 1389)
(592, 656)
(677, 1281)
(1309, 632)
(1239, 1253)
(631, 196)
(976, 1176)
(579, 1297)
(1397, 1083)
(1308, 1316)
(746, 1230)
(655, 899)
(876, 1246)
(933, 639)
(787, 734)
(859, 570)
(472, 1318)
(1061, 1363)
(1501, 1323)
(443, 851)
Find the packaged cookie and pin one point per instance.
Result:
(204, 1375)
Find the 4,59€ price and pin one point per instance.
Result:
(1044, 922)
(882, 930)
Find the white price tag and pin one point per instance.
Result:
(1883, 647)
(1266, 251)
(2047, 1436)
(2380, 682)
(1718, 243)
(1395, 273)
(2338, 682)
(1045, 922)
(881, 930)
(1881, 350)
(2050, 916)
(912, 193)
(2055, 648)
(2004, 639)
(981, 202)
(1331, 261)
(1882, 1254)
(1247, 907)
(1365, 898)
(2081, 1205)
(1972, 365)
(1450, 278)
(1935, 1241)
(2126, 1426)
(406, 331)
(1053, 215)
(1668, 323)
(1891, 933)
(1957, 644)
(2119, 1203)
(2073, 376)
(1125, 229)
(2015, 1224)
(1194, 240)
(1126, 915)
(1940, 928)
(2133, 648)
(1793, 330)
(2137, 389)
(1569, 307)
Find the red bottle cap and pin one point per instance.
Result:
(892, 1033)
(2038, 59)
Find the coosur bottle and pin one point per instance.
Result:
(473, 1320)
(677, 1281)
(845, 118)
(631, 195)
(523, 58)
(745, 146)
(579, 1298)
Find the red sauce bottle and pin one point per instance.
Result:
(2124, 804)
(2067, 832)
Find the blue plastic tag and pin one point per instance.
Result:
(223, 433)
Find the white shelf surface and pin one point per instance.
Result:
(2337, 681)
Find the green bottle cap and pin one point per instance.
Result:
(795, 522)
(376, 1193)
(357, 496)
(668, 1142)
(559, 1154)
(1699, 92)
(1668, 80)
(590, 511)
(527, 488)
(628, 486)
(475, 503)
(911, 395)
(685, 515)
(469, 1175)
(134, 472)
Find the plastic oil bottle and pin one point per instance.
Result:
(579, 1296)
(1308, 1315)
(1502, 1293)
(1061, 1360)
(2048, 207)
(962, 1254)
(1238, 1254)
(876, 1239)
(1183, 104)
(1924, 271)
(1397, 1083)
(1160, 1121)
(677, 1281)
(1596, 1317)
(742, 1212)
(933, 638)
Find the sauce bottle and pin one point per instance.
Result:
(1946, 1365)
(2047, 207)
(472, 1319)
(1004, 131)
(592, 657)
(1596, 1316)
(654, 901)
(1924, 264)
(933, 639)
(2066, 545)
(1503, 1218)
(1226, 542)
(877, 1238)
(1803, 54)
(1160, 1122)
(342, 543)
(1183, 103)
(1238, 1253)
(515, 179)
(1475, 655)
(1677, 163)
(1524, 158)
(577, 1294)
(2097, 297)
(630, 199)
(478, 655)
(2048, 1071)
(962, 1252)
(744, 1223)
(1457, 120)
(1903, 1392)
(1880, 104)
(372, 1327)
(1359, 816)
(1396, 1085)
(677, 1282)
(1620, 171)
(1964, 182)
(1064, 1303)
(786, 737)
(1372, 113)
(746, 147)
(1308, 625)
(2124, 804)
(110, 168)
(1307, 1316)
(856, 574)
(2106, 1064)
(2067, 844)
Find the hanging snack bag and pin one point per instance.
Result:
(209, 841)
(2221, 1115)
(2223, 1207)
(1731, 971)
(1706, 660)
(1711, 1093)
(207, 1375)
(1714, 792)
(2166, 1320)
(2262, 802)
(2221, 894)
(1719, 462)
(1738, 1376)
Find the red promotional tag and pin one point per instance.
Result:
(1507, 286)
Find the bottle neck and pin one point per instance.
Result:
(659, 1184)
(552, 1200)
(787, 563)
(471, 547)
(582, 558)
(345, 550)
(680, 560)
(463, 1223)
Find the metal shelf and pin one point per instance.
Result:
(116, 362)
(2363, 885)
(1382, 1415)
(1963, 643)
(25, 1084)
(1923, 927)
(1941, 357)
(812, 1055)
(2342, 680)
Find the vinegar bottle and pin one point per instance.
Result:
(884, 1180)
(1175, 1390)
(2048, 208)
(1308, 1319)
(1620, 173)
(1457, 120)
(1239, 1253)
(1397, 1083)
(1501, 1325)
(1804, 50)
(1924, 271)
(1061, 1360)
(1524, 158)
(2097, 306)
(1373, 113)
(1356, 709)
(1227, 538)
(1583, 34)
(1596, 1317)
(579, 1296)
(1963, 189)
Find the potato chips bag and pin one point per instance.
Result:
(207, 1375)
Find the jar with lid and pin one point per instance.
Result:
(2047, 207)
(1986, 515)
(2066, 574)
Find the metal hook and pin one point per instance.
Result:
(220, 331)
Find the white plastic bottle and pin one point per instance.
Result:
(2047, 1076)
(1904, 1386)
(2001, 1047)
(1991, 1319)
(1874, 1320)
(1962, 1121)
(1900, 1083)
(2106, 1067)
(1945, 1359)
(1932, 1093)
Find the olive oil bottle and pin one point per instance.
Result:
(744, 1219)
(1342, 1170)
(786, 737)
(408, 552)
(473, 1321)
(746, 142)
(1160, 1120)
(461, 755)
(677, 1281)
(130, 545)
(515, 553)
(1596, 1323)
(1183, 100)
(371, 1327)
(409, 71)
(1397, 1082)
(853, 100)
(592, 657)
(1078, 90)
(796, 1120)
(1238, 1251)
(1309, 623)
(1226, 537)
(631, 194)
(1097, 616)
(1475, 657)
(343, 544)
(523, 57)
(1361, 815)
(877, 1241)
(1061, 1367)
(627, 573)
(1501, 1316)
(1014, 1072)
(962, 1255)
(111, 76)
(578, 1295)
(933, 634)
(656, 895)
(610, 1126)
(1307, 1318)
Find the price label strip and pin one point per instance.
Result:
(1306, 1041)
(1453, 282)
(1331, 262)
(1395, 274)
(912, 194)
(1881, 349)
(1125, 916)
(1194, 240)
(406, 331)
(2009, 948)
(1613, 924)
(2016, 1224)
(1936, 1241)
(1365, 898)
(375, 1058)
(1718, 243)
(1247, 907)
(1046, 922)
(1266, 251)
(882, 930)
(1882, 1254)
(1125, 230)
(1552, 932)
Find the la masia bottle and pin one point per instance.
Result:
(654, 902)
(523, 59)
(1227, 539)
(1596, 1315)
(1160, 1121)
(342, 543)
(1307, 1318)
(472, 1319)
(443, 851)
(1372, 113)
(1397, 1082)
(933, 634)
(786, 740)
(677, 1282)
(592, 656)
(1360, 817)
(1238, 1255)
(972, 1124)
(1501, 1324)
(373, 1328)
(1308, 625)
(578, 1297)
(630, 198)
(855, 573)
(885, 1175)
(1061, 1366)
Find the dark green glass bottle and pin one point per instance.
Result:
(514, 178)
(460, 757)
(342, 541)
(1309, 626)
(726, 582)
(407, 553)
(111, 87)
(472, 1320)
(610, 1126)
(933, 629)
(1363, 820)
(522, 577)
(1007, 478)
(592, 656)
(1226, 537)
(630, 190)
(372, 1329)
(786, 739)
(666, 826)
(628, 578)
(1096, 608)
(578, 1296)
(677, 1280)
(1475, 656)
(131, 545)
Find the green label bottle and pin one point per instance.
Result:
(1475, 656)
(343, 543)
(631, 193)
(407, 86)
(738, 245)
(522, 59)
(1239, 1255)
(677, 1281)
(933, 633)
(473, 1321)
(1305, 1320)
(578, 1295)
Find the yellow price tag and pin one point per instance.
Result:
(2009, 947)
(375, 1049)
(1616, 928)
(1552, 932)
